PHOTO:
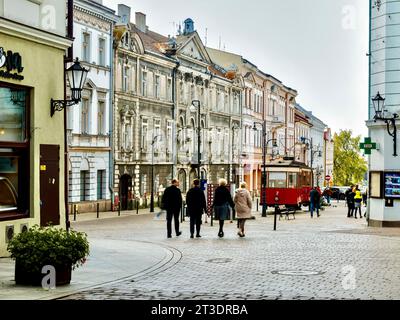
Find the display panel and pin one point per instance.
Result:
(392, 185)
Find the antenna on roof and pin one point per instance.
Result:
(205, 40)
(219, 44)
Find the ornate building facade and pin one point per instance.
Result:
(88, 124)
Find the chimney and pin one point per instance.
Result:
(125, 13)
(140, 21)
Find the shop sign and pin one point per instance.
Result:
(12, 62)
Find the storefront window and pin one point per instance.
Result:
(12, 114)
(14, 150)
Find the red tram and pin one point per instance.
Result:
(288, 184)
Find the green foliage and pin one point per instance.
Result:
(349, 165)
(41, 246)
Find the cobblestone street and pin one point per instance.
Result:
(304, 259)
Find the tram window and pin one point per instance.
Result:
(292, 180)
(277, 180)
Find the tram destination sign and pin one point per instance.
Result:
(12, 62)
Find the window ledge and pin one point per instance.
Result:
(13, 216)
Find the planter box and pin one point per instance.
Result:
(27, 277)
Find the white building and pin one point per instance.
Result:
(316, 146)
(88, 124)
(384, 77)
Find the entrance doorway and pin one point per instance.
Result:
(49, 185)
(125, 184)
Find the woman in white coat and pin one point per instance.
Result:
(243, 207)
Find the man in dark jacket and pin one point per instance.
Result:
(350, 201)
(196, 205)
(172, 203)
(315, 198)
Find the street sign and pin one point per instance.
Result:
(368, 145)
(327, 178)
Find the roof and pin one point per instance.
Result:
(287, 163)
(152, 41)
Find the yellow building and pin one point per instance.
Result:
(31, 141)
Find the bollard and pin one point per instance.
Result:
(257, 205)
(212, 218)
(275, 213)
(119, 208)
(74, 212)
(137, 206)
(97, 209)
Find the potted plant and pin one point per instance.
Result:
(42, 246)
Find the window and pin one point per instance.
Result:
(157, 87)
(169, 136)
(277, 180)
(169, 89)
(102, 52)
(144, 134)
(144, 83)
(101, 179)
(125, 78)
(14, 161)
(85, 116)
(86, 46)
(85, 186)
(292, 180)
(100, 119)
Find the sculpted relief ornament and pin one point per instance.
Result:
(85, 17)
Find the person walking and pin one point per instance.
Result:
(357, 202)
(350, 201)
(172, 203)
(327, 194)
(315, 198)
(243, 205)
(222, 202)
(196, 205)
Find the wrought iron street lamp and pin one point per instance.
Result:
(193, 108)
(379, 103)
(76, 75)
(264, 160)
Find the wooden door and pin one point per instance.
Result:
(49, 184)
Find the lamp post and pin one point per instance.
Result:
(152, 174)
(264, 159)
(234, 127)
(379, 103)
(76, 75)
(196, 107)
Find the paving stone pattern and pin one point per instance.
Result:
(262, 265)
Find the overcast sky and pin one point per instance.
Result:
(317, 47)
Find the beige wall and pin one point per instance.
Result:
(43, 71)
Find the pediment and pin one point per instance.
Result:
(194, 49)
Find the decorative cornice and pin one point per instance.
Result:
(92, 18)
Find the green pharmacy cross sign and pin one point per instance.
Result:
(368, 145)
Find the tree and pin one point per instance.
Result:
(349, 165)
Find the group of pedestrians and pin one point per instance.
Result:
(222, 206)
(354, 200)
